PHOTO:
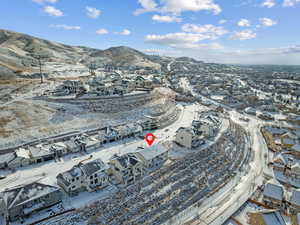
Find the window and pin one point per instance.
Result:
(96, 181)
(91, 177)
(73, 179)
(77, 178)
(92, 182)
(73, 187)
(96, 175)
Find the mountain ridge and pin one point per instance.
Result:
(17, 50)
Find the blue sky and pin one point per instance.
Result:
(229, 31)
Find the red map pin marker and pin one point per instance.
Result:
(150, 138)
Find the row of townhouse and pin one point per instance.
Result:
(121, 169)
(84, 143)
(24, 200)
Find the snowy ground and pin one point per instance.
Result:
(47, 172)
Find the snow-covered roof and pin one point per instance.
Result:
(22, 153)
(39, 151)
(126, 160)
(23, 194)
(93, 167)
(295, 198)
(153, 151)
(274, 191)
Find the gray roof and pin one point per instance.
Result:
(5, 158)
(23, 194)
(273, 218)
(126, 160)
(273, 191)
(295, 199)
(93, 167)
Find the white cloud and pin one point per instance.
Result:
(93, 12)
(178, 6)
(183, 41)
(208, 29)
(268, 3)
(166, 19)
(66, 27)
(244, 23)
(52, 11)
(176, 38)
(267, 22)
(45, 1)
(102, 31)
(290, 3)
(222, 21)
(124, 32)
(243, 35)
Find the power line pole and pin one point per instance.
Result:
(39, 57)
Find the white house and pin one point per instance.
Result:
(154, 156)
(84, 176)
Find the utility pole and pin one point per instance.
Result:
(40, 57)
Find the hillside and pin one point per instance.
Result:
(16, 51)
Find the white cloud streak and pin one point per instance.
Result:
(178, 6)
(166, 19)
(52, 11)
(243, 35)
(65, 27)
(268, 3)
(244, 23)
(92, 12)
(267, 22)
(102, 31)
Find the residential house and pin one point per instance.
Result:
(127, 168)
(20, 158)
(154, 156)
(5, 159)
(27, 199)
(186, 137)
(273, 195)
(40, 153)
(84, 177)
(60, 149)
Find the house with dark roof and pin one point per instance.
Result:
(127, 168)
(88, 176)
(27, 199)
